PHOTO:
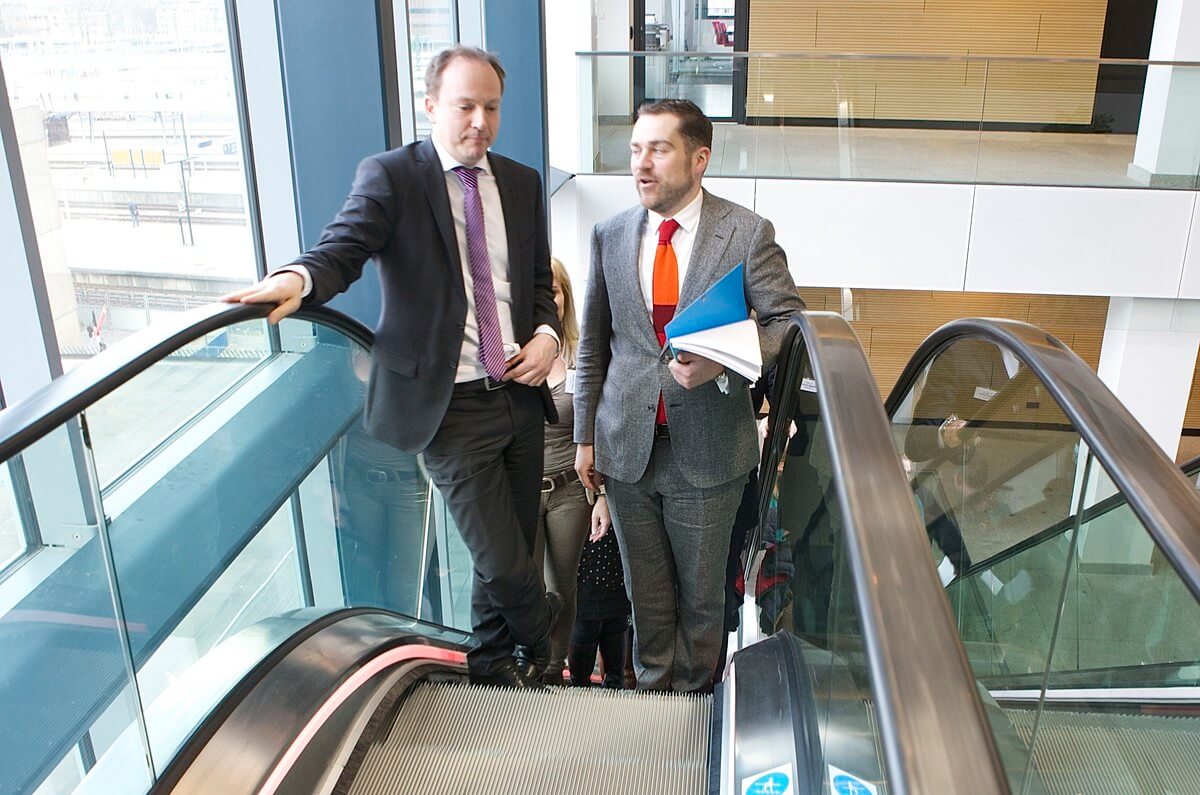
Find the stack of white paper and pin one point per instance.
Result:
(734, 346)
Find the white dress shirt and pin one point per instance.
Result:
(469, 366)
(682, 242)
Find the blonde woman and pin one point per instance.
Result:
(565, 517)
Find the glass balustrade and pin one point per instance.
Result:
(181, 526)
(1081, 633)
(961, 119)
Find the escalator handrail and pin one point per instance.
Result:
(1155, 487)
(263, 715)
(27, 421)
(931, 744)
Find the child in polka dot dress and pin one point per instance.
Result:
(602, 609)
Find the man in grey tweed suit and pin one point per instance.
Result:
(674, 471)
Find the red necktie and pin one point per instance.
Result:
(665, 292)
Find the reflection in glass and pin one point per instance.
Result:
(805, 587)
(132, 422)
(261, 582)
(381, 501)
(129, 137)
(1071, 617)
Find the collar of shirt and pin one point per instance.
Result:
(683, 242)
(688, 217)
(449, 163)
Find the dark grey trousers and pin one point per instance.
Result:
(674, 543)
(486, 459)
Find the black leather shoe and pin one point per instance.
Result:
(532, 660)
(507, 676)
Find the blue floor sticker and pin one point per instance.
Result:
(777, 781)
(843, 783)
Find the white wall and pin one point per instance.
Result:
(570, 81)
(614, 76)
(913, 236)
(1084, 241)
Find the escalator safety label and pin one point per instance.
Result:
(843, 783)
(777, 781)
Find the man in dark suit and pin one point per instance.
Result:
(466, 339)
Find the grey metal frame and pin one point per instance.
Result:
(243, 115)
(27, 315)
(1158, 492)
(397, 71)
(914, 650)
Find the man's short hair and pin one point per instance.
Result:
(694, 126)
(433, 72)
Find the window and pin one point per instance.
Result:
(716, 9)
(13, 534)
(431, 29)
(128, 130)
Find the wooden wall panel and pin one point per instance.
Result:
(1034, 94)
(1191, 418)
(891, 324)
(794, 31)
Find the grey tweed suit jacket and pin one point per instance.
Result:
(619, 373)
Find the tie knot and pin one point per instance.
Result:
(468, 176)
(665, 230)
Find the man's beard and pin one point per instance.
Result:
(669, 197)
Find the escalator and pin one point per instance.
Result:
(1069, 548)
(203, 609)
(393, 712)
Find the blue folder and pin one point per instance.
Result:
(720, 305)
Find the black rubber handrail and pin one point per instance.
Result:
(932, 744)
(24, 423)
(1155, 488)
(242, 740)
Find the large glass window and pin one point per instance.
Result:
(128, 130)
(431, 26)
(12, 530)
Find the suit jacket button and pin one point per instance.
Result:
(650, 408)
(453, 365)
(461, 326)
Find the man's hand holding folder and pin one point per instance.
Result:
(717, 327)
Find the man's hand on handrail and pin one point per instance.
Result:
(283, 288)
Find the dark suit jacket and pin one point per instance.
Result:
(398, 212)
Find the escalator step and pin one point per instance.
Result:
(458, 738)
(1083, 751)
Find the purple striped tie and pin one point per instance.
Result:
(491, 343)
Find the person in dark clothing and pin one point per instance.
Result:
(937, 511)
(602, 608)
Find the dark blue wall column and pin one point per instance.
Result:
(515, 30)
(337, 115)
